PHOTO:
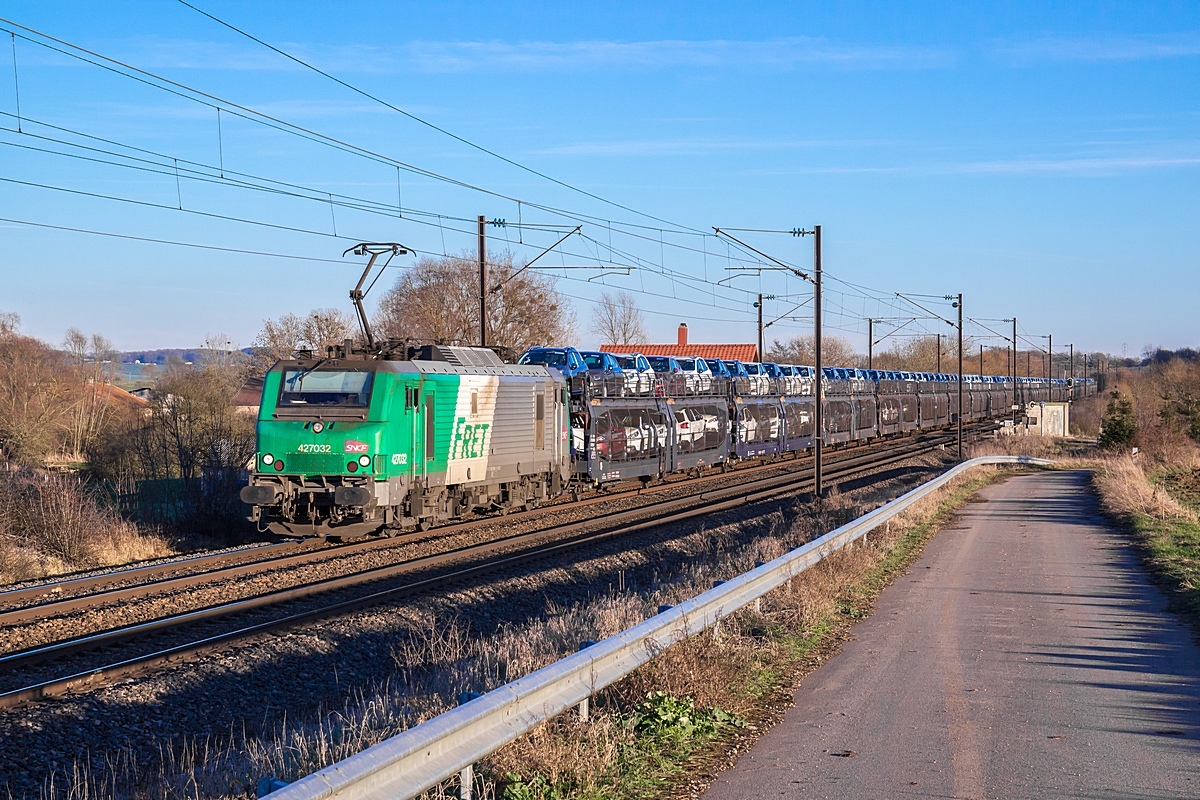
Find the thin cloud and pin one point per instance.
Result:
(777, 54)
(1076, 166)
(688, 147)
(1080, 167)
(1099, 48)
(153, 52)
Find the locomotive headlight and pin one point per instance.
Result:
(318, 427)
(268, 459)
(364, 460)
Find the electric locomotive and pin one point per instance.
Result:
(350, 445)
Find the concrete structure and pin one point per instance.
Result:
(1047, 419)
(681, 348)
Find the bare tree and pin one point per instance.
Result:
(617, 320)
(437, 300)
(75, 345)
(836, 351)
(326, 326)
(38, 390)
(278, 340)
(10, 322)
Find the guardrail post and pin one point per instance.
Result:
(584, 703)
(466, 779)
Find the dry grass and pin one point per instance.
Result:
(437, 657)
(740, 671)
(50, 524)
(1127, 493)
(1166, 527)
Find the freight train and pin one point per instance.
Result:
(353, 444)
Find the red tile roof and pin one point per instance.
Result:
(250, 395)
(726, 352)
(119, 395)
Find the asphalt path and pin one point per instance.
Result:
(1024, 655)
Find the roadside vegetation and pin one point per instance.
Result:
(91, 476)
(666, 729)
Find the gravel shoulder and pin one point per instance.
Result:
(301, 674)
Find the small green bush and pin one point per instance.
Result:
(1118, 428)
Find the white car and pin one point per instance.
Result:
(697, 374)
(689, 429)
(637, 373)
(760, 381)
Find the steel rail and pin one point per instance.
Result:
(427, 754)
(723, 500)
(244, 566)
(243, 562)
(667, 512)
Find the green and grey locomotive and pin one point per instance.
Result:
(353, 444)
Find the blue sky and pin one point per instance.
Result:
(1044, 161)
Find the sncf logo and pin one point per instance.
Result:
(355, 447)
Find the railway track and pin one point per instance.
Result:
(60, 597)
(430, 572)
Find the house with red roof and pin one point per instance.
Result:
(681, 348)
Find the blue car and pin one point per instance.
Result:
(566, 360)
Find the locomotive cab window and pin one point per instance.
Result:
(307, 387)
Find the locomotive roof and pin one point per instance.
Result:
(422, 367)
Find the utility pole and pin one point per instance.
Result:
(1016, 401)
(939, 354)
(482, 281)
(870, 343)
(980, 359)
(960, 376)
(819, 429)
(758, 305)
(1072, 346)
(1050, 355)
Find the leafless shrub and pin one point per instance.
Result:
(50, 524)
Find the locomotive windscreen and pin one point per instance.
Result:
(301, 387)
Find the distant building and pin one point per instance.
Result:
(118, 396)
(681, 348)
(248, 398)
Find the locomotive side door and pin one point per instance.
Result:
(412, 461)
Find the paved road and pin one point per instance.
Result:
(1023, 656)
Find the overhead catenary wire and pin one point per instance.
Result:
(183, 91)
(252, 115)
(425, 122)
(177, 172)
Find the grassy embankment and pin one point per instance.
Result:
(1160, 510)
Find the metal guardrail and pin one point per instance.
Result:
(423, 756)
